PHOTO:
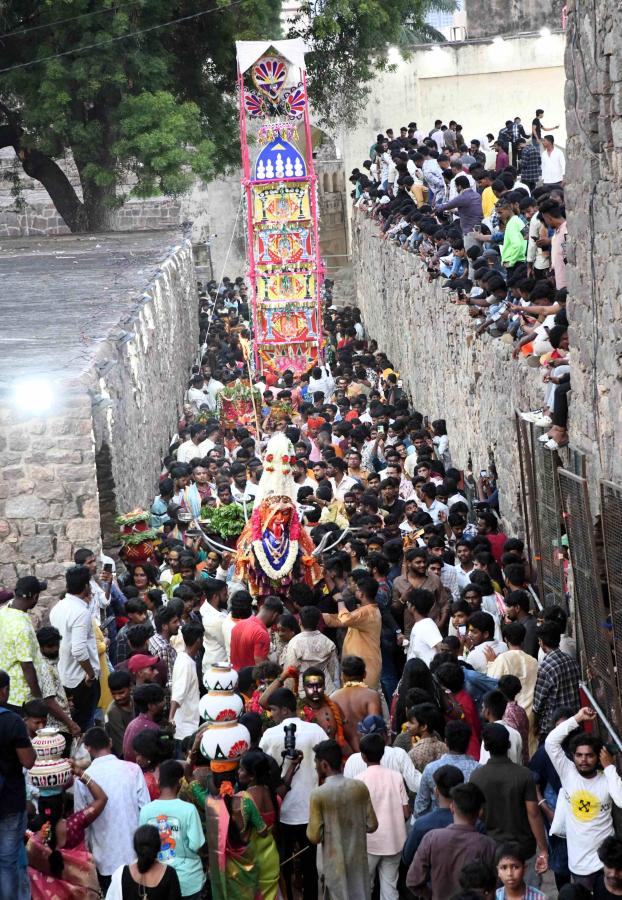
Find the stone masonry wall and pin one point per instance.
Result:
(138, 400)
(488, 18)
(48, 491)
(594, 209)
(472, 382)
(66, 475)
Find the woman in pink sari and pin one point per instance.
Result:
(59, 865)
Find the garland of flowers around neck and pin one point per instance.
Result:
(268, 568)
(260, 553)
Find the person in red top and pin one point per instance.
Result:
(250, 639)
(488, 526)
(149, 702)
(451, 677)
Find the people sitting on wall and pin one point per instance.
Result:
(492, 232)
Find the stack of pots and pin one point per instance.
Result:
(50, 772)
(225, 740)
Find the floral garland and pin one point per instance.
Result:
(288, 562)
(307, 714)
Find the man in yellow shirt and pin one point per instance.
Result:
(489, 198)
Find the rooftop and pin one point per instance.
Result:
(61, 296)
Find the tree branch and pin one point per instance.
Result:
(44, 169)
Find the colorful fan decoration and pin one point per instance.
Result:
(295, 102)
(269, 75)
(254, 105)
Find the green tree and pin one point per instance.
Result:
(151, 110)
(134, 100)
(350, 42)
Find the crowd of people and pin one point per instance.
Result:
(488, 219)
(416, 722)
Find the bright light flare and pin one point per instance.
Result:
(33, 395)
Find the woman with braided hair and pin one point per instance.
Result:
(59, 864)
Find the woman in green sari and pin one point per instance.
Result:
(254, 776)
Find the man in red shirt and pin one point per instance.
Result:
(250, 640)
(488, 526)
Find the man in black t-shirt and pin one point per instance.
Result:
(609, 882)
(16, 753)
(537, 126)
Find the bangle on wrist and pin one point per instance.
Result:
(541, 802)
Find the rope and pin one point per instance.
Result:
(222, 275)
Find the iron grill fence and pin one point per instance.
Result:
(548, 510)
(592, 624)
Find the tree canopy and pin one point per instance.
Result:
(140, 94)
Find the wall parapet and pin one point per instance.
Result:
(449, 373)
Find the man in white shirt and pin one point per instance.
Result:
(322, 380)
(493, 708)
(425, 638)
(393, 757)
(204, 393)
(339, 480)
(184, 711)
(294, 816)
(242, 490)
(111, 836)
(78, 662)
(553, 163)
(481, 635)
(213, 614)
(431, 505)
(190, 449)
(438, 135)
(589, 794)
(100, 598)
(310, 649)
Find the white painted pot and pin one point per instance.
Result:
(225, 741)
(220, 677)
(220, 706)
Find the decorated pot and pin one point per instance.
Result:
(225, 741)
(47, 774)
(220, 706)
(49, 743)
(220, 677)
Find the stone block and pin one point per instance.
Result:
(51, 490)
(78, 529)
(61, 455)
(12, 472)
(39, 473)
(8, 553)
(19, 440)
(26, 506)
(75, 473)
(38, 548)
(27, 527)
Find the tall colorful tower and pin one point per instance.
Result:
(284, 265)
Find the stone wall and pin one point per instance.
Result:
(138, 400)
(488, 18)
(472, 382)
(48, 490)
(594, 205)
(68, 471)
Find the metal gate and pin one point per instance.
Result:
(528, 496)
(548, 509)
(593, 630)
(611, 519)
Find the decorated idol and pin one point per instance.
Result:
(274, 546)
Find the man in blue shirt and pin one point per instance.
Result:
(457, 737)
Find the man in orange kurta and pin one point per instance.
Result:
(364, 626)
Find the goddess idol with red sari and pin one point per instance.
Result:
(274, 546)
